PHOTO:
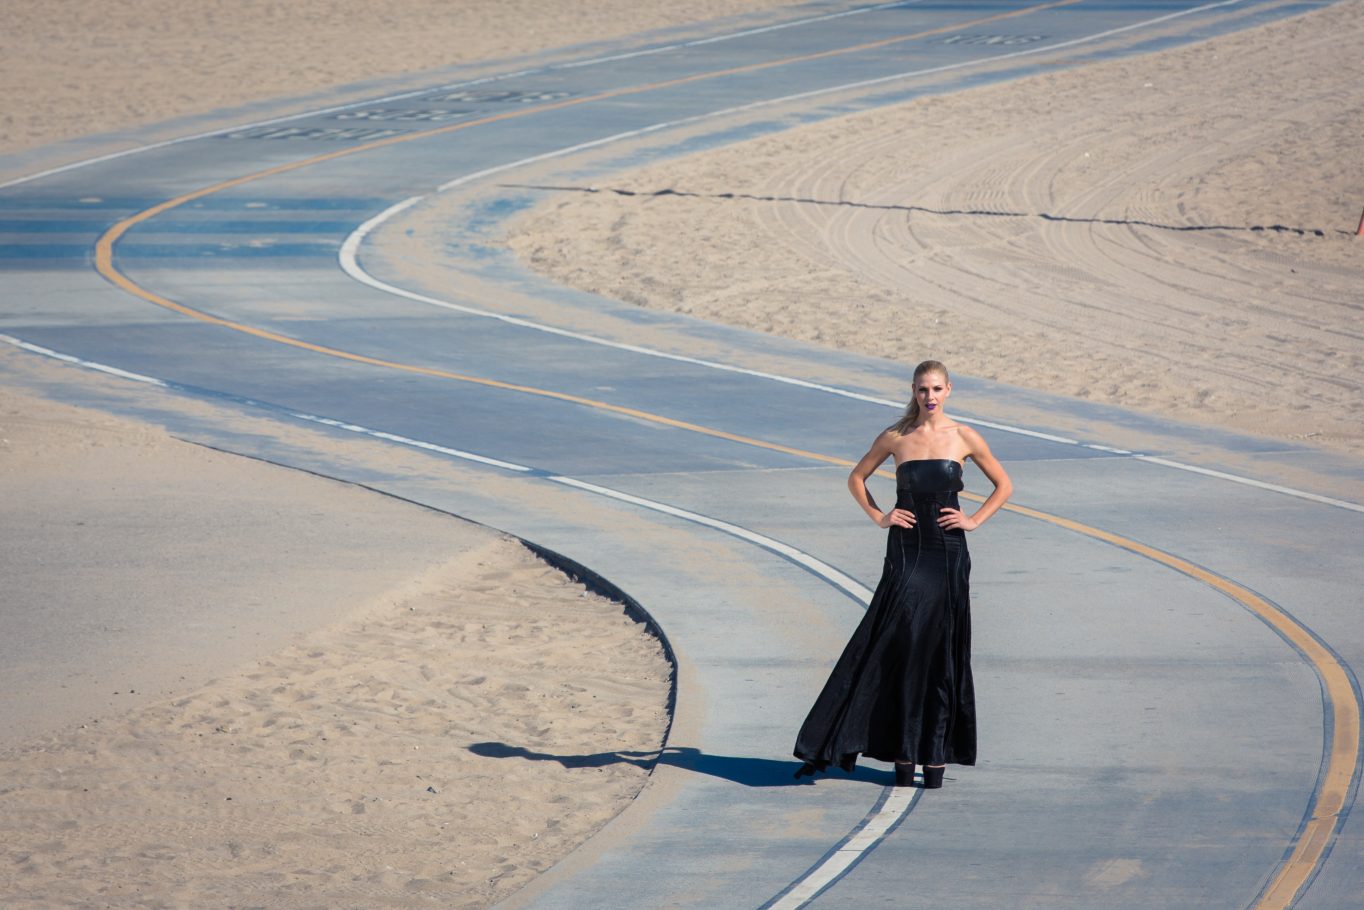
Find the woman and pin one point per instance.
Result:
(902, 692)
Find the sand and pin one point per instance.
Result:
(136, 564)
(1129, 301)
(383, 756)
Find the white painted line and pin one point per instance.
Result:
(88, 364)
(776, 28)
(872, 831)
(580, 147)
(1042, 49)
(349, 261)
(744, 34)
(1020, 431)
(408, 441)
(403, 96)
(1250, 482)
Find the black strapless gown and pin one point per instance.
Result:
(902, 689)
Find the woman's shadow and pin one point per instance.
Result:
(748, 772)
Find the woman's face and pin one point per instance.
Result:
(931, 391)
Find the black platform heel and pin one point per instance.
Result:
(933, 777)
(904, 775)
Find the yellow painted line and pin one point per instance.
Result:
(268, 335)
(1328, 804)
(1325, 813)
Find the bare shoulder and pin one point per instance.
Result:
(975, 443)
(885, 440)
(882, 447)
(970, 434)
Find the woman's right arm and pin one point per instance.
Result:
(857, 485)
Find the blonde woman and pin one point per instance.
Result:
(901, 691)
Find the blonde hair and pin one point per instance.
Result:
(911, 415)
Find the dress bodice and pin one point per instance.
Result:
(928, 475)
(925, 485)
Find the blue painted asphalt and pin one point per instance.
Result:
(1146, 739)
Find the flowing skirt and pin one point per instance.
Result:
(902, 689)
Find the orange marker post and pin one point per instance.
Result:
(1360, 230)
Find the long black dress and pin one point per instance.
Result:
(902, 689)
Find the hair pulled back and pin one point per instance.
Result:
(911, 415)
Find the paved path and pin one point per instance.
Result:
(1162, 653)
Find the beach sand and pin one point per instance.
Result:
(1254, 327)
(386, 678)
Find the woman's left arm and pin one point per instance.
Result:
(980, 453)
